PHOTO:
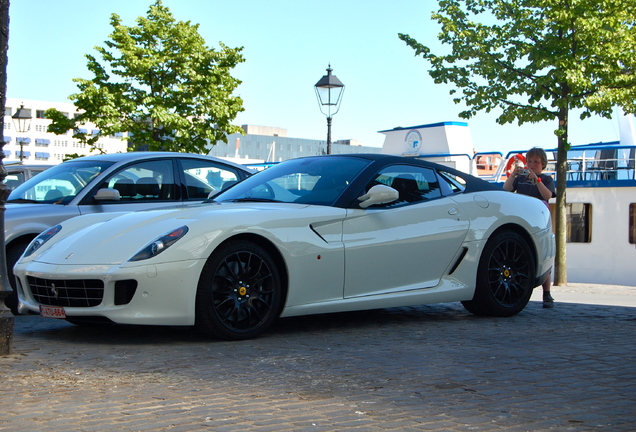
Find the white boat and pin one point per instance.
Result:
(600, 194)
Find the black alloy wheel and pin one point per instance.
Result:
(239, 292)
(504, 278)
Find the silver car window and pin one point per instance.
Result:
(203, 177)
(144, 181)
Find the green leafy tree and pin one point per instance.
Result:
(159, 82)
(536, 60)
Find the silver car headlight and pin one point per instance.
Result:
(160, 244)
(41, 239)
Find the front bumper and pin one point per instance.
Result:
(164, 294)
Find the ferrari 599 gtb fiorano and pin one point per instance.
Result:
(307, 236)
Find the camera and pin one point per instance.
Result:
(525, 172)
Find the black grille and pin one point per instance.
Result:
(71, 293)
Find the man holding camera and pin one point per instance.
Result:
(533, 182)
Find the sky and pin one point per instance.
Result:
(287, 46)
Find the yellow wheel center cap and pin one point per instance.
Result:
(506, 273)
(242, 290)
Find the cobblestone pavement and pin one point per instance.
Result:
(427, 368)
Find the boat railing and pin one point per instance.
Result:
(585, 164)
(601, 164)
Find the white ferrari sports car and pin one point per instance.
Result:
(307, 236)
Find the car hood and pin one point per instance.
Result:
(113, 238)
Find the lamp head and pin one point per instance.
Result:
(22, 119)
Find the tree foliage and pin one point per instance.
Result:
(159, 82)
(536, 60)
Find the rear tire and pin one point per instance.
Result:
(505, 277)
(239, 292)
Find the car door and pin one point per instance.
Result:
(407, 244)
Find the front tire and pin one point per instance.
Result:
(13, 255)
(239, 292)
(505, 277)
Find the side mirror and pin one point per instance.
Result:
(214, 193)
(378, 194)
(107, 194)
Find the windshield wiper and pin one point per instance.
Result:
(254, 200)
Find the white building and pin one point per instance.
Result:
(271, 144)
(257, 144)
(37, 146)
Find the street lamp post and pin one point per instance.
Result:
(329, 90)
(6, 317)
(22, 123)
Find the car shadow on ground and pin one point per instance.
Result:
(36, 328)
(442, 317)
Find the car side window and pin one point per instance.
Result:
(145, 181)
(14, 179)
(413, 183)
(202, 177)
(450, 183)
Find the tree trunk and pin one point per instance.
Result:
(560, 264)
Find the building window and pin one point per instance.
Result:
(40, 114)
(579, 229)
(7, 111)
(42, 142)
(632, 223)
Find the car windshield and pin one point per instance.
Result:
(317, 180)
(58, 184)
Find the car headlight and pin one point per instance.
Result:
(160, 244)
(41, 239)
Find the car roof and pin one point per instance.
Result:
(28, 166)
(15, 164)
(473, 183)
(133, 156)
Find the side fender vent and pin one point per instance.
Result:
(317, 233)
(460, 258)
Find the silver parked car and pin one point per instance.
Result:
(18, 173)
(107, 183)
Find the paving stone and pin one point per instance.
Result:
(432, 368)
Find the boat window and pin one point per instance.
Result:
(578, 222)
(579, 229)
(632, 223)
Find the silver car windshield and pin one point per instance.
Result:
(59, 184)
(318, 180)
